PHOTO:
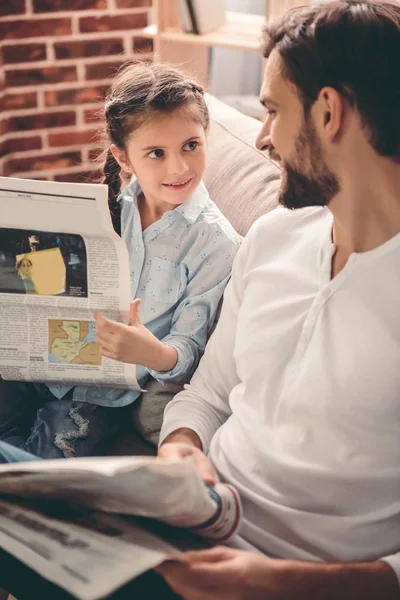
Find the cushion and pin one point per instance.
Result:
(148, 410)
(242, 181)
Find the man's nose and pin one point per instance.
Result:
(263, 141)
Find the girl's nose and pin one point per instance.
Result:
(177, 165)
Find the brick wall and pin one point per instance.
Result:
(56, 59)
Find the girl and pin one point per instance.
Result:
(181, 250)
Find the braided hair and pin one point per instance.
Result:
(141, 91)
(111, 177)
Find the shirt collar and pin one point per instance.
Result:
(189, 210)
(131, 192)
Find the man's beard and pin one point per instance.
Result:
(312, 186)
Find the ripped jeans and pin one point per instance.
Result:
(32, 419)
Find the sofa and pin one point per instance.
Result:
(244, 184)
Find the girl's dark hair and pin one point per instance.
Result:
(352, 46)
(140, 91)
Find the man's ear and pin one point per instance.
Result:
(331, 113)
(122, 159)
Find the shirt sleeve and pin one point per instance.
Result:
(394, 561)
(203, 405)
(195, 314)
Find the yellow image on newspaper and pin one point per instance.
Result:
(43, 272)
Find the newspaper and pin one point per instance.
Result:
(60, 261)
(167, 490)
(90, 559)
(170, 490)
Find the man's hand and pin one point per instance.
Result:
(225, 574)
(228, 574)
(133, 343)
(184, 443)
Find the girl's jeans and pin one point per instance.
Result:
(32, 419)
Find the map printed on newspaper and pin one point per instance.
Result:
(73, 342)
(75, 555)
(60, 261)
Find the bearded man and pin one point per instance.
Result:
(296, 400)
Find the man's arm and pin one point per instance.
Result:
(369, 581)
(184, 436)
(235, 574)
(196, 413)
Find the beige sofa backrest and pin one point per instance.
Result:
(242, 181)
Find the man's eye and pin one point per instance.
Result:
(158, 153)
(190, 146)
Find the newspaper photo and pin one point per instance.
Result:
(60, 261)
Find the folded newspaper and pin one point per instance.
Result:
(60, 261)
(91, 558)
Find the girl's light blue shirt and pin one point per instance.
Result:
(179, 267)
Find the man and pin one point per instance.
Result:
(296, 400)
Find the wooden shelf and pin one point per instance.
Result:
(189, 52)
(241, 31)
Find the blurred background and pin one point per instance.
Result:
(57, 58)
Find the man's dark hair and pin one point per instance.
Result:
(352, 46)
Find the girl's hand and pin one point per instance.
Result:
(133, 343)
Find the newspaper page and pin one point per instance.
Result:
(89, 558)
(60, 261)
(124, 485)
(165, 490)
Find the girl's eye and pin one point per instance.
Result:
(271, 113)
(157, 153)
(190, 146)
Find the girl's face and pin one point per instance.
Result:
(167, 154)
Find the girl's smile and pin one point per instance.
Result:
(179, 185)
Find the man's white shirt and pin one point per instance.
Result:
(297, 398)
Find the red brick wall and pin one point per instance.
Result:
(56, 59)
